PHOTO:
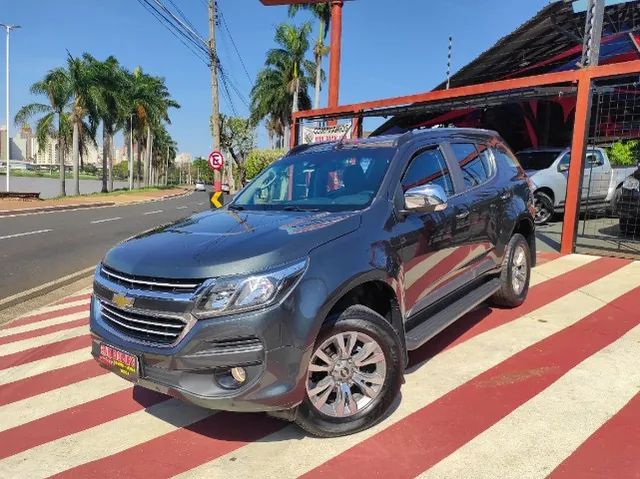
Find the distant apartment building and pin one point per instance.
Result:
(183, 159)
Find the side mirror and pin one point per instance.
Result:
(563, 167)
(426, 198)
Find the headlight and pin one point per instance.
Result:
(631, 183)
(245, 293)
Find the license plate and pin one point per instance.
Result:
(121, 363)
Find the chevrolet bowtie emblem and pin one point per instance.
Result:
(122, 301)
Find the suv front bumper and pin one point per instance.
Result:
(256, 341)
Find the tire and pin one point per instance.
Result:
(327, 419)
(544, 208)
(613, 205)
(517, 263)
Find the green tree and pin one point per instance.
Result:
(202, 170)
(165, 150)
(322, 11)
(281, 87)
(53, 122)
(624, 153)
(238, 137)
(85, 90)
(258, 160)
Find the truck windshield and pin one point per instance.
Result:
(537, 160)
(331, 180)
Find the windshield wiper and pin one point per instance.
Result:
(236, 207)
(297, 208)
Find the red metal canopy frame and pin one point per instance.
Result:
(581, 78)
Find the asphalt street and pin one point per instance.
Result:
(38, 248)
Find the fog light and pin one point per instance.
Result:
(239, 374)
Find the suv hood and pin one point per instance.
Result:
(227, 242)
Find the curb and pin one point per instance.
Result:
(45, 288)
(79, 206)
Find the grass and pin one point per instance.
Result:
(118, 192)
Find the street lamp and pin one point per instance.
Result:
(8, 28)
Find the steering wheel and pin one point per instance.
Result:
(269, 181)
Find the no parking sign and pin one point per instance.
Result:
(216, 160)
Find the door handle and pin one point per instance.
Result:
(462, 215)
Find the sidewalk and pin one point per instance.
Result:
(87, 201)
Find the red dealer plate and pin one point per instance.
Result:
(121, 363)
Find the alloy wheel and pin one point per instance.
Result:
(346, 374)
(519, 270)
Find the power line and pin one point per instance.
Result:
(235, 46)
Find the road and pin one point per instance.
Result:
(549, 389)
(50, 188)
(38, 248)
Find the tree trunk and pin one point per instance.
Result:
(105, 159)
(110, 137)
(151, 168)
(61, 156)
(76, 160)
(316, 101)
(147, 159)
(139, 168)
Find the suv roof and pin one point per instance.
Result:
(396, 140)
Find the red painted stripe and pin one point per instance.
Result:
(427, 436)
(546, 256)
(612, 451)
(485, 318)
(48, 350)
(71, 299)
(76, 419)
(46, 330)
(48, 315)
(183, 449)
(45, 382)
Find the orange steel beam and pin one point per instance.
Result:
(334, 59)
(576, 164)
(571, 76)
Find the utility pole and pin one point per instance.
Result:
(215, 105)
(8, 28)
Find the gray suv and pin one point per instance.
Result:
(304, 295)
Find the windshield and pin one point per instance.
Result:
(332, 180)
(537, 160)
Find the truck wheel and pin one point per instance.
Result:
(613, 206)
(354, 374)
(544, 208)
(515, 275)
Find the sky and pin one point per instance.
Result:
(390, 48)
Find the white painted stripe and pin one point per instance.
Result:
(103, 440)
(200, 204)
(561, 265)
(105, 220)
(45, 365)
(43, 324)
(53, 307)
(535, 438)
(181, 207)
(424, 384)
(155, 212)
(51, 402)
(26, 344)
(28, 233)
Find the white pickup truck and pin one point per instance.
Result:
(549, 168)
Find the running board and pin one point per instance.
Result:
(426, 330)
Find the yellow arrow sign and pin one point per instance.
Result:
(216, 199)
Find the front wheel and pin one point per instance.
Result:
(515, 275)
(353, 376)
(544, 208)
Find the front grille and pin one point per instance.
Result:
(143, 327)
(150, 284)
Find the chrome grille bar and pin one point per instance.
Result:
(142, 330)
(148, 283)
(141, 321)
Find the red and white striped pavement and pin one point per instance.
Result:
(548, 389)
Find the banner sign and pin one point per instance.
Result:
(328, 133)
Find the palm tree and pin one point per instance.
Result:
(56, 86)
(322, 11)
(85, 90)
(281, 87)
(111, 110)
(165, 149)
(149, 102)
